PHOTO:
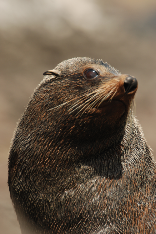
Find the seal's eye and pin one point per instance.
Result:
(90, 73)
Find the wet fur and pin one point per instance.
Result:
(73, 169)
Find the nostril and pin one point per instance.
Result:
(130, 84)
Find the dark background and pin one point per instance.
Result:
(36, 35)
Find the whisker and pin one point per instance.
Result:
(93, 101)
(92, 97)
(78, 106)
(77, 103)
(82, 107)
(93, 104)
(63, 104)
(90, 105)
(106, 96)
(113, 95)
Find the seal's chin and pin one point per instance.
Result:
(112, 108)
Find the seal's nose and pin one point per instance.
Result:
(130, 84)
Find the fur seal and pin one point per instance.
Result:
(79, 162)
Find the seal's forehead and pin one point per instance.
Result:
(74, 65)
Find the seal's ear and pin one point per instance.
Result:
(52, 72)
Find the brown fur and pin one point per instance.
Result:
(79, 162)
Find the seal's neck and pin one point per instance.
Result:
(94, 136)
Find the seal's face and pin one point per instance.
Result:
(91, 87)
(114, 91)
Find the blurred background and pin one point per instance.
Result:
(36, 35)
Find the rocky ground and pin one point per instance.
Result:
(36, 35)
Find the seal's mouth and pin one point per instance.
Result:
(111, 103)
(111, 108)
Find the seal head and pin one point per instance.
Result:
(93, 98)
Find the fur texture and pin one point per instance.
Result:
(79, 162)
